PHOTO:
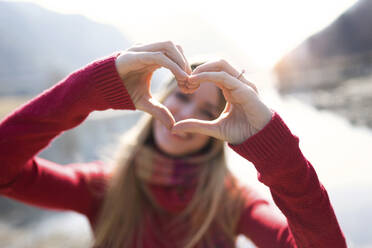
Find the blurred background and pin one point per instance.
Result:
(311, 60)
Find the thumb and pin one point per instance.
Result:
(159, 112)
(209, 128)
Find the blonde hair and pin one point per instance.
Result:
(127, 200)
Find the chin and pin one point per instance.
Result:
(171, 148)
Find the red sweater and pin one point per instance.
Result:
(310, 220)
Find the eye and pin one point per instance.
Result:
(207, 114)
(182, 97)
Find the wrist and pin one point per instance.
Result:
(120, 68)
(265, 117)
(270, 142)
(109, 85)
(258, 116)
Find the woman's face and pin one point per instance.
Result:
(203, 104)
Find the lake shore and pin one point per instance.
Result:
(351, 99)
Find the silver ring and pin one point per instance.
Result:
(241, 74)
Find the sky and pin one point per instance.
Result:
(264, 29)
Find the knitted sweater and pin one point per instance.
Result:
(309, 218)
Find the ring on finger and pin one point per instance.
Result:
(241, 74)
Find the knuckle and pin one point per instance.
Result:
(179, 48)
(253, 86)
(223, 62)
(168, 44)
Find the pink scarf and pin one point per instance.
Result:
(158, 169)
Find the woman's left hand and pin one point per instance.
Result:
(244, 115)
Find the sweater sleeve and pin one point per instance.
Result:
(309, 217)
(30, 128)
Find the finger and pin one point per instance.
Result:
(187, 66)
(221, 79)
(168, 48)
(223, 65)
(196, 126)
(171, 51)
(219, 65)
(186, 90)
(227, 108)
(254, 87)
(192, 86)
(158, 58)
(158, 111)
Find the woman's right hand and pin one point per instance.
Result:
(136, 66)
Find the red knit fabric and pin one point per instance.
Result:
(309, 218)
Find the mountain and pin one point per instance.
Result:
(342, 50)
(38, 47)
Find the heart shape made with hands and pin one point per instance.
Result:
(232, 124)
(243, 115)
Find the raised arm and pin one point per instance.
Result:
(261, 136)
(34, 125)
(120, 81)
(30, 128)
(296, 190)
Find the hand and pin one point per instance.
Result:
(244, 115)
(136, 66)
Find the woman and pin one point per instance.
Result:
(169, 186)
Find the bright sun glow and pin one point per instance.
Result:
(264, 29)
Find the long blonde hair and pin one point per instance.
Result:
(120, 222)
